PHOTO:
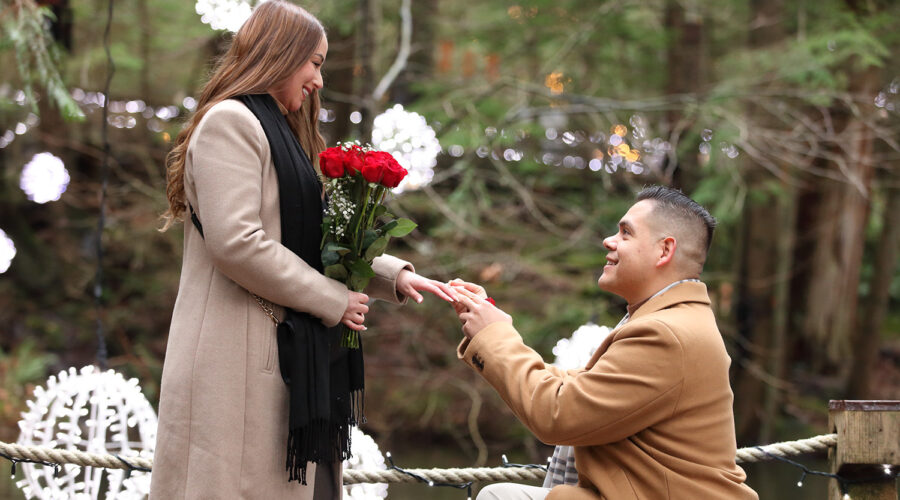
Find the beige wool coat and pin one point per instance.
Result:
(650, 416)
(223, 410)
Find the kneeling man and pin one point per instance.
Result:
(650, 416)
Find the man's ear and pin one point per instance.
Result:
(667, 247)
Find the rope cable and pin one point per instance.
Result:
(52, 456)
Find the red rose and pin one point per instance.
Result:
(393, 173)
(354, 159)
(375, 165)
(331, 162)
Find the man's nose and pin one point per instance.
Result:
(610, 242)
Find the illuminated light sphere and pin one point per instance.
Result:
(44, 178)
(94, 412)
(7, 251)
(365, 456)
(575, 352)
(408, 137)
(224, 14)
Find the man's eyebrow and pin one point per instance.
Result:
(625, 224)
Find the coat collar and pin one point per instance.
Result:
(691, 291)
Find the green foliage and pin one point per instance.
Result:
(23, 28)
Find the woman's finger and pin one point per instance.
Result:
(353, 325)
(440, 290)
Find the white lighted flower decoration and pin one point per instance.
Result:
(574, 353)
(44, 178)
(408, 137)
(7, 251)
(366, 456)
(90, 411)
(224, 14)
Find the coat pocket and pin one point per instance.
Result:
(262, 333)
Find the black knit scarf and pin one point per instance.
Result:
(325, 380)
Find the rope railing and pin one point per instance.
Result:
(53, 456)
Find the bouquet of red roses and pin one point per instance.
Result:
(356, 227)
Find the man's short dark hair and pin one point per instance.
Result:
(686, 211)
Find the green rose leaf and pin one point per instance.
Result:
(330, 257)
(358, 283)
(362, 268)
(369, 237)
(387, 227)
(335, 247)
(403, 227)
(380, 210)
(377, 248)
(337, 272)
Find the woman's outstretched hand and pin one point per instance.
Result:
(355, 314)
(410, 284)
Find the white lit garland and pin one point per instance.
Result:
(409, 138)
(44, 178)
(365, 456)
(95, 412)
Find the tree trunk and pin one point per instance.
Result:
(762, 287)
(146, 21)
(365, 70)
(838, 225)
(421, 59)
(687, 71)
(339, 87)
(867, 337)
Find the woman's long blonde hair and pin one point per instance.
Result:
(272, 44)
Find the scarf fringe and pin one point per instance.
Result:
(322, 441)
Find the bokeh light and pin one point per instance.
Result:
(574, 353)
(44, 178)
(224, 14)
(7, 251)
(408, 137)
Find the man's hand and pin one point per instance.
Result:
(478, 313)
(472, 287)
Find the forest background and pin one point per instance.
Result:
(781, 116)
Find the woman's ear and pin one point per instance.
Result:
(667, 248)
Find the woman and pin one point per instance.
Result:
(241, 168)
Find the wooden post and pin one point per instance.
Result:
(868, 448)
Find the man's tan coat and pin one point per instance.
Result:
(650, 415)
(223, 409)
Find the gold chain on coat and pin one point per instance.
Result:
(266, 307)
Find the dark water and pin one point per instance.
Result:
(772, 480)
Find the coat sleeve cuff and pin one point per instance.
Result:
(384, 285)
(476, 350)
(335, 293)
